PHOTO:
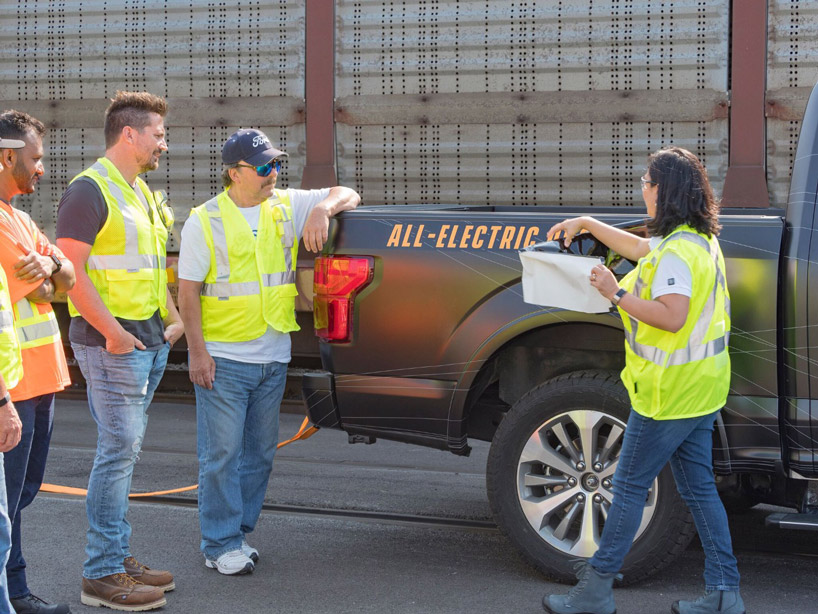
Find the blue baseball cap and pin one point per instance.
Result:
(251, 146)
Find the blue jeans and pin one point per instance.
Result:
(120, 389)
(647, 446)
(25, 468)
(5, 542)
(237, 435)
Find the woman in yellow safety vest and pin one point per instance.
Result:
(675, 309)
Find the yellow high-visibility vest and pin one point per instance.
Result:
(11, 360)
(687, 373)
(251, 281)
(127, 260)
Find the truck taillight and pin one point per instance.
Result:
(336, 282)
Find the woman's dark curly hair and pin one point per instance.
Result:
(685, 195)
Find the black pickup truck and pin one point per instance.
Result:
(425, 339)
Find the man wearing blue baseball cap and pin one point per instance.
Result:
(237, 299)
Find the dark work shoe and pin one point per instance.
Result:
(593, 594)
(32, 604)
(713, 602)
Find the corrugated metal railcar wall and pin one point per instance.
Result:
(792, 71)
(221, 65)
(532, 102)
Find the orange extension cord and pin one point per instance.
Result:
(303, 433)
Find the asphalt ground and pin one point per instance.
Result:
(315, 561)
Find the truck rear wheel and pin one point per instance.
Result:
(549, 479)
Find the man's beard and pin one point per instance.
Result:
(151, 164)
(25, 182)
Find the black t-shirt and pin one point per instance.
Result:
(81, 214)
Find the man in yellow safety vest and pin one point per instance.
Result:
(237, 298)
(114, 229)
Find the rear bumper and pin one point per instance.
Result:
(318, 390)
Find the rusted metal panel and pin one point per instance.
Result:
(199, 112)
(792, 71)
(523, 102)
(320, 54)
(787, 104)
(746, 183)
(225, 65)
(532, 107)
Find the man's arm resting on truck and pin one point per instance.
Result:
(202, 367)
(88, 302)
(623, 243)
(316, 229)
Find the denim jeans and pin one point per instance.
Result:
(5, 542)
(120, 389)
(25, 467)
(237, 435)
(647, 446)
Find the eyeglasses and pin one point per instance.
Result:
(645, 183)
(264, 170)
(163, 208)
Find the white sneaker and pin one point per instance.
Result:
(232, 563)
(248, 550)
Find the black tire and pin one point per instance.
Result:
(668, 526)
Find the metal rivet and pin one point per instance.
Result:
(598, 498)
(580, 466)
(606, 483)
(597, 466)
(580, 498)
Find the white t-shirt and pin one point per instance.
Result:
(672, 274)
(194, 264)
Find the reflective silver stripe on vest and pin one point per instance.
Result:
(222, 287)
(24, 309)
(6, 321)
(697, 348)
(40, 330)
(131, 232)
(37, 330)
(287, 236)
(131, 263)
(697, 352)
(269, 280)
(219, 240)
(247, 288)
(681, 356)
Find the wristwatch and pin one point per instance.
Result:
(618, 296)
(58, 262)
(5, 400)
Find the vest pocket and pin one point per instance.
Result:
(226, 320)
(281, 309)
(130, 293)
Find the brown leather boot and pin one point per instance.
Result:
(152, 577)
(120, 591)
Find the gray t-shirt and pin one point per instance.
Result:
(81, 214)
